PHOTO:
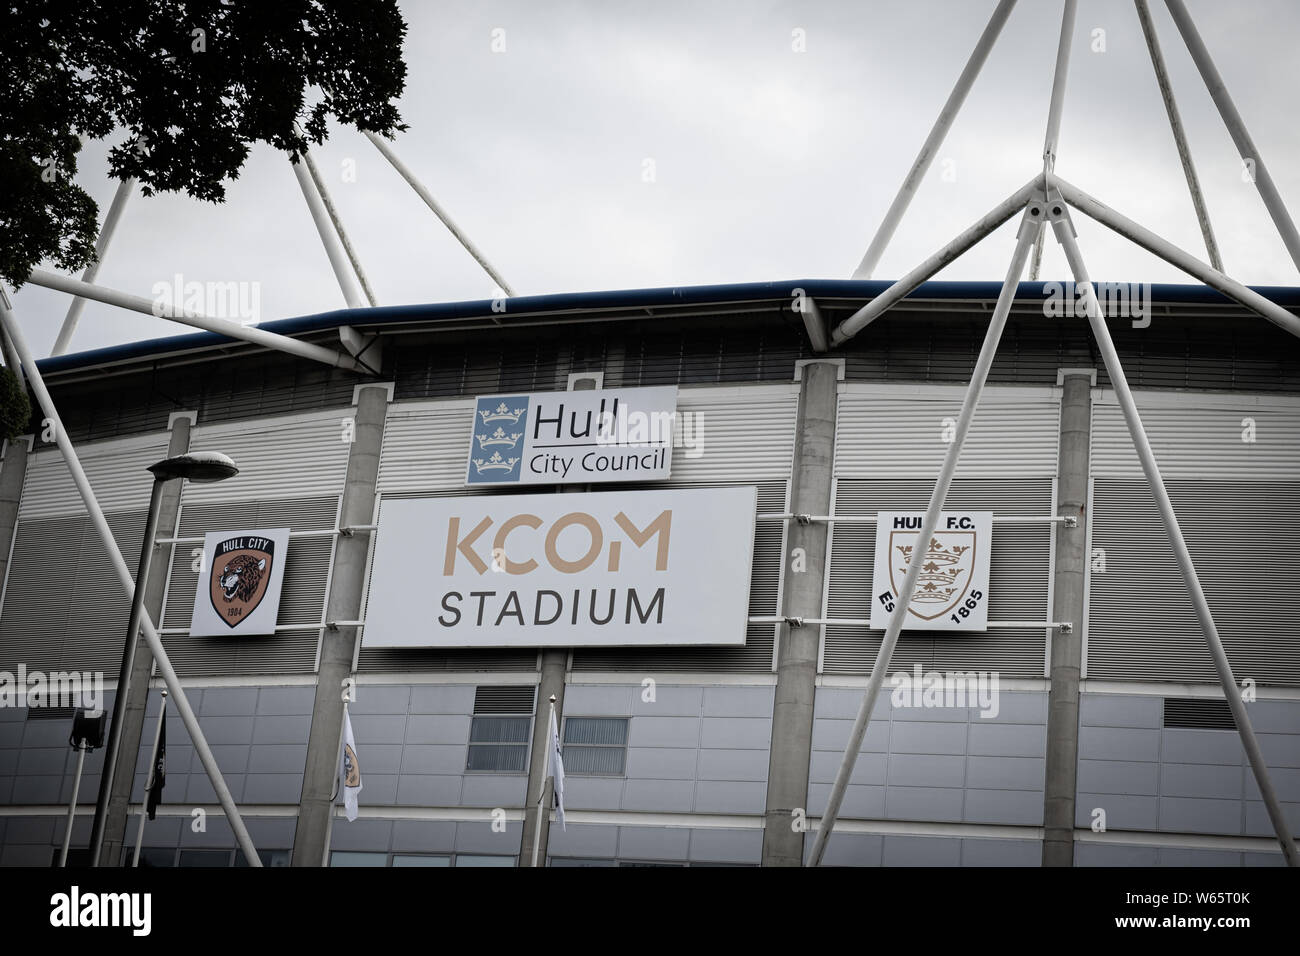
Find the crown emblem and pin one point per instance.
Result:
(937, 582)
(494, 463)
(503, 413)
(499, 437)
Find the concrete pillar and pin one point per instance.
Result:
(338, 647)
(796, 669)
(13, 472)
(554, 663)
(1067, 605)
(119, 800)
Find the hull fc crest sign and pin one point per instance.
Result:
(239, 583)
(952, 592)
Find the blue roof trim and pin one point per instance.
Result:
(1288, 296)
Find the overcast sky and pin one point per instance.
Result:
(768, 163)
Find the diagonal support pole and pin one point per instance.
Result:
(337, 220)
(1237, 129)
(1180, 136)
(877, 306)
(162, 310)
(10, 325)
(324, 229)
(124, 190)
(1029, 227)
(1064, 231)
(925, 157)
(1172, 254)
(423, 193)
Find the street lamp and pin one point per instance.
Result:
(204, 466)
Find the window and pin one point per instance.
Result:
(501, 729)
(595, 745)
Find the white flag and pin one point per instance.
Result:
(555, 768)
(349, 770)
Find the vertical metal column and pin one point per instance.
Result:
(1054, 110)
(119, 801)
(1064, 230)
(1029, 225)
(339, 646)
(1068, 595)
(796, 670)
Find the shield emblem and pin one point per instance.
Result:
(945, 574)
(240, 573)
(351, 769)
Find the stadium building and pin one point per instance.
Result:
(1093, 730)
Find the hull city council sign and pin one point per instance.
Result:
(239, 584)
(551, 438)
(952, 593)
(650, 568)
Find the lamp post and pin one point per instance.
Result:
(197, 467)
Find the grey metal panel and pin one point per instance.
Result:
(1019, 807)
(1017, 590)
(1001, 853)
(1196, 440)
(307, 563)
(921, 851)
(653, 843)
(583, 840)
(883, 438)
(1141, 625)
(277, 457)
(1123, 811)
(726, 846)
(1113, 854)
(66, 609)
(747, 434)
(425, 447)
(423, 836)
(116, 470)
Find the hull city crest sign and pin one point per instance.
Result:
(240, 579)
(952, 591)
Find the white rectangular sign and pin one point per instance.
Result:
(239, 584)
(952, 593)
(617, 568)
(551, 438)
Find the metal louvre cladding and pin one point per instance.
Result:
(1020, 575)
(1141, 625)
(307, 566)
(64, 606)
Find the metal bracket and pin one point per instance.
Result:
(794, 621)
(1071, 521)
(1065, 627)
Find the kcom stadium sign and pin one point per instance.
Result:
(650, 568)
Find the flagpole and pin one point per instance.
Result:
(338, 785)
(153, 765)
(541, 796)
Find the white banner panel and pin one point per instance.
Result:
(550, 438)
(653, 568)
(952, 593)
(239, 586)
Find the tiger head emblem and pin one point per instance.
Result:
(241, 573)
(240, 578)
